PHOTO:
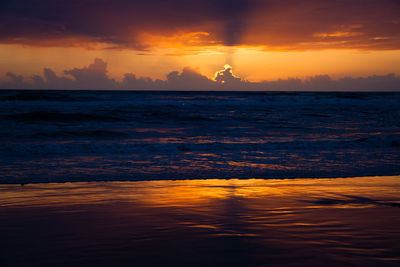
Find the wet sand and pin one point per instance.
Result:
(352, 221)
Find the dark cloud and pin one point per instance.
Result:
(314, 24)
(291, 24)
(234, 14)
(15, 78)
(94, 77)
(188, 78)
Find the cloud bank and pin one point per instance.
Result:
(94, 77)
(124, 24)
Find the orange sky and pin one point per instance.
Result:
(250, 63)
(262, 40)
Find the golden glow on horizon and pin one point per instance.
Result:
(250, 63)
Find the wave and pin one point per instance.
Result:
(120, 143)
(40, 96)
(45, 116)
(304, 133)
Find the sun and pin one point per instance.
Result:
(227, 66)
(226, 75)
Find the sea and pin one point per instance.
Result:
(157, 178)
(69, 136)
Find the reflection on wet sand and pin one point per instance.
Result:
(241, 222)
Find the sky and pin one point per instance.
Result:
(264, 41)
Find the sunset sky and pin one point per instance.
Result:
(261, 39)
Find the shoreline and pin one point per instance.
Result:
(330, 221)
(18, 193)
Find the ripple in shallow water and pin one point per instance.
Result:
(352, 221)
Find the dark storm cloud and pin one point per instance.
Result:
(293, 24)
(118, 21)
(94, 77)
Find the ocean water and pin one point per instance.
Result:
(58, 136)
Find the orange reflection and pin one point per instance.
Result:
(187, 193)
(353, 220)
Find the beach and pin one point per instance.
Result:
(296, 222)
